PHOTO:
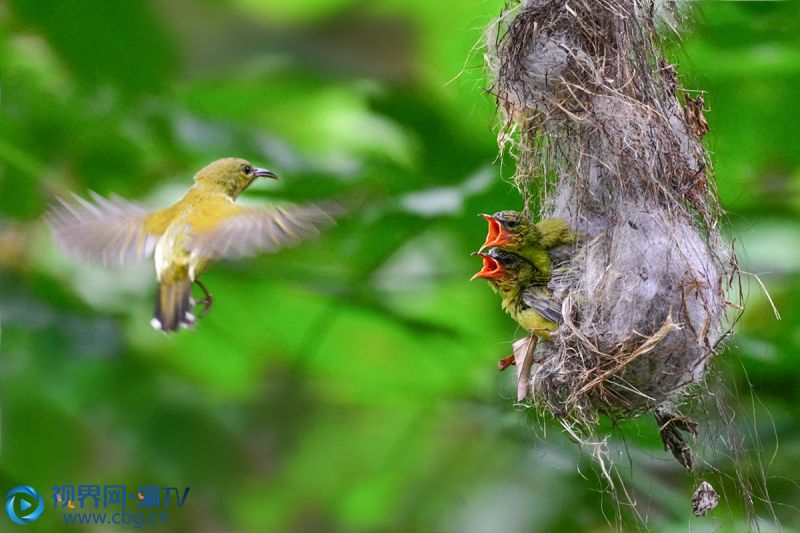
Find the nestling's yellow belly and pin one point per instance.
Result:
(535, 323)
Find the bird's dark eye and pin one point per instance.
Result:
(248, 169)
(512, 223)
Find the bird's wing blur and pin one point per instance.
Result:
(249, 231)
(541, 300)
(109, 231)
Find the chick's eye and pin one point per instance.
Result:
(512, 223)
(248, 169)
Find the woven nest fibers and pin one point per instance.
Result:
(591, 112)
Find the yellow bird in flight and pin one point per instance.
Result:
(187, 237)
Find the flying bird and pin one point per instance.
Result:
(186, 238)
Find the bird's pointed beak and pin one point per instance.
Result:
(491, 269)
(497, 235)
(264, 173)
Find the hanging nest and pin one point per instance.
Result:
(591, 112)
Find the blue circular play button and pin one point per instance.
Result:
(24, 504)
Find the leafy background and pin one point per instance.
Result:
(348, 385)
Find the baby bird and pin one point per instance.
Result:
(528, 301)
(514, 232)
(187, 237)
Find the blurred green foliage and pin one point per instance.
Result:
(349, 385)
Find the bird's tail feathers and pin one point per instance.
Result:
(174, 306)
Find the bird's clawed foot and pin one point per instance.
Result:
(205, 302)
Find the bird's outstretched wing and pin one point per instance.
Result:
(541, 300)
(112, 232)
(266, 229)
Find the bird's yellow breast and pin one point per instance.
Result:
(534, 322)
(172, 255)
(526, 317)
(199, 210)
